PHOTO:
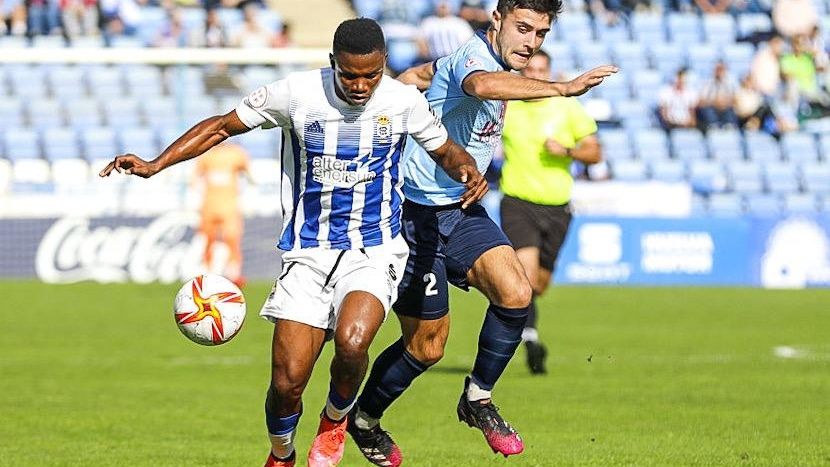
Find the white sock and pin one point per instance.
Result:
(475, 393)
(283, 445)
(335, 414)
(530, 335)
(365, 422)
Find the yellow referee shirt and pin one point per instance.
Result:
(530, 172)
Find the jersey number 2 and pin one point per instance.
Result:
(430, 279)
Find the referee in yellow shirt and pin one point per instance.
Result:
(541, 138)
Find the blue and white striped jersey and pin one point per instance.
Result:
(471, 122)
(341, 163)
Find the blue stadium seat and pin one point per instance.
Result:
(28, 82)
(745, 177)
(668, 171)
(635, 115)
(725, 204)
(367, 8)
(615, 144)
(629, 170)
(763, 205)
(575, 27)
(700, 205)
(138, 140)
(646, 84)
(122, 113)
(687, 144)
(667, 58)
(83, 113)
(99, 142)
(615, 88)
(725, 145)
(260, 144)
(161, 113)
(558, 50)
(60, 143)
(684, 28)
(651, 144)
(402, 54)
(11, 112)
(104, 81)
(738, 57)
(21, 143)
(816, 178)
(781, 177)
(749, 23)
(762, 148)
(824, 146)
(799, 147)
(702, 59)
(45, 113)
(707, 176)
(143, 80)
(592, 54)
(630, 56)
(193, 18)
(801, 203)
(647, 28)
(719, 28)
(199, 109)
(66, 82)
(616, 32)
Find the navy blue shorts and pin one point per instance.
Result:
(444, 242)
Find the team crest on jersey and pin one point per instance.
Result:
(471, 62)
(383, 129)
(258, 98)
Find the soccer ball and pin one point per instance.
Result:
(209, 309)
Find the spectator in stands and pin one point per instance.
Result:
(215, 33)
(798, 65)
(678, 103)
(713, 7)
(80, 17)
(717, 100)
(752, 110)
(120, 18)
(442, 33)
(766, 68)
(43, 17)
(173, 33)
(12, 17)
(284, 38)
(477, 12)
(253, 34)
(794, 17)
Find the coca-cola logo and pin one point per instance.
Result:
(164, 250)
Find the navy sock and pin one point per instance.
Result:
(393, 372)
(500, 335)
(531, 314)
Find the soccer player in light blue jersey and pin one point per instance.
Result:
(344, 130)
(462, 246)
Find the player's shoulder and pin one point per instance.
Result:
(475, 53)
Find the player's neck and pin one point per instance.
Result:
(491, 38)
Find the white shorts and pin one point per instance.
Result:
(314, 281)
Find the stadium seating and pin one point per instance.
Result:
(687, 144)
(725, 204)
(765, 205)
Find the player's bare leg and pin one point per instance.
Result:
(539, 278)
(499, 275)
(423, 342)
(361, 315)
(295, 348)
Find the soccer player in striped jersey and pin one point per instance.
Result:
(344, 130)
(462, 246)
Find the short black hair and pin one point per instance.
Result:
(359, 36)
(550, 7)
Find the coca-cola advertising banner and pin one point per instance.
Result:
(126, 249)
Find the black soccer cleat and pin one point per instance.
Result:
(536, 355)
(375, 444)
(501, 437)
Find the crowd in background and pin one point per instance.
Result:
(109, 19)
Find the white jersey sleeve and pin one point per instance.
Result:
(267, 106)
(424, 125)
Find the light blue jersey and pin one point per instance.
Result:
(471, 122)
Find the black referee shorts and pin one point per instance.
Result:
(529, 224)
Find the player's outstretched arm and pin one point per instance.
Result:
(420, 76)
(461, 167)
(195, 142)
(505, 86)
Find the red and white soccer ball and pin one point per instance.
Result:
(209, 309)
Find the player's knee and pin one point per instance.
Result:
(518, 296)
(288, 385)
(427, 351)
(352, 343)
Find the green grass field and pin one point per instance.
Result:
(98, 375)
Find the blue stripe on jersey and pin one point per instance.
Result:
(348, 148)
(370, 229)
(314, 144)
(394, 173)
(287, 241)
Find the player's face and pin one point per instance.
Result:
(537, 68)
(519, 34)
(357, 76)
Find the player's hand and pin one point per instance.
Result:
(476, 185)
(582, 83)
(130, 164)
(552, 146)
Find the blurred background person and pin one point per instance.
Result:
(678, 103)
(717, 100)
(442, 33)
(541, 139)
(218, 171)
(80, 17)
(12, 17)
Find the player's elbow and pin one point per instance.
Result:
(479, 86)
